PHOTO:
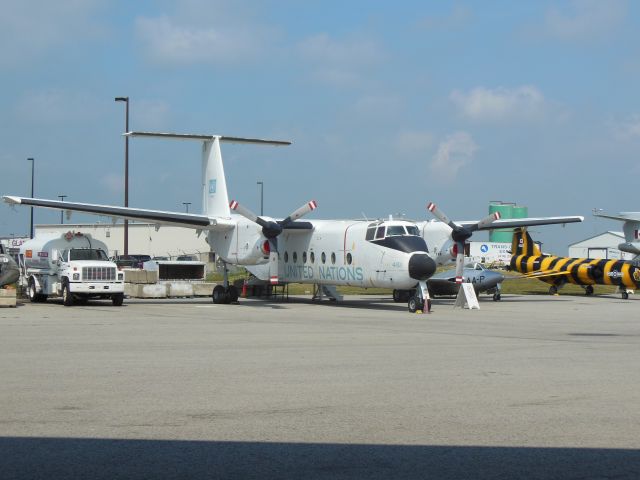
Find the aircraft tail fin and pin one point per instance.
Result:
(523, 244)
(215, 201)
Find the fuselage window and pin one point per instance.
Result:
(286, 257)
(370, 233)
(295, 257)
(333, 258)
(380, 233)
(323, 257)
(349, 259)
(304, 257)
(313, 257)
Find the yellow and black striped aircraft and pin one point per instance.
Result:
(557, 271)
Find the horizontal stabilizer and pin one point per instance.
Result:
(622, 216)
(189, 136)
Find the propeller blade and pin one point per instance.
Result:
(245, 212)
(273, 261)
(303, 210)
(460, 262)
(486, 221)
(270, 229)
(440, 215)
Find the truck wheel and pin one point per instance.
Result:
(117, 299)
(31, 292)
(67, 296)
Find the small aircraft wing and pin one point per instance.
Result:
(524, 222)
(187, 220)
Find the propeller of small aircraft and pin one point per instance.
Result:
(460, 234)
(271, 229)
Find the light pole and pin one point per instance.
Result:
(261, 197)
(126, 170)
(62, 197)
(186, 205)
(33, 163)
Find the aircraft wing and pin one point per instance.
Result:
(523, 222)
(543, 273)
(623, 216)
(187, 220)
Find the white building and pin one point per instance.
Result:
(603, 245)
(144, 239)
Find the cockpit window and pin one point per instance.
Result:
(413, 230)
(395, 230)
(380, 233)
(370, 233)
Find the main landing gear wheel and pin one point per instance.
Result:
(588, 290)
(397, 296)
(415, 303)
(496, 297)
(220, 295)
(553, 290)
(625, 295)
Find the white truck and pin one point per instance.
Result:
(70, 265)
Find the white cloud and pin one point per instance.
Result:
(454, 153)
(499, 104)
(585, 19)
(53, 106)
(339, 62)
(166, 42)
(628, 129)
(29, 29)
(413, 143)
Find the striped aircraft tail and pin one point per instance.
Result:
(523, 244)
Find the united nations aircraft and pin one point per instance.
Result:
(385, 253)
(630, 227)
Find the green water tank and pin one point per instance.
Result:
(506, 210)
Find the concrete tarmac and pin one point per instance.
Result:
(533, 387)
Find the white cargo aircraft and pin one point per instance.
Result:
(383, 253)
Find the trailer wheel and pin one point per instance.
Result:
(67, 296)
(117, 299)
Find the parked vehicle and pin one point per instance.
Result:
(186, 258)
(71, 265)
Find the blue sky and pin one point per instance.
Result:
(389, 105)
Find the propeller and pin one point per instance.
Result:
(271, 229)
(460, 234)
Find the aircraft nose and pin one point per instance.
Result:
(421, 266)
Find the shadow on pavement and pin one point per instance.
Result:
(73, 458)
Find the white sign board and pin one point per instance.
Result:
(467, 297)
